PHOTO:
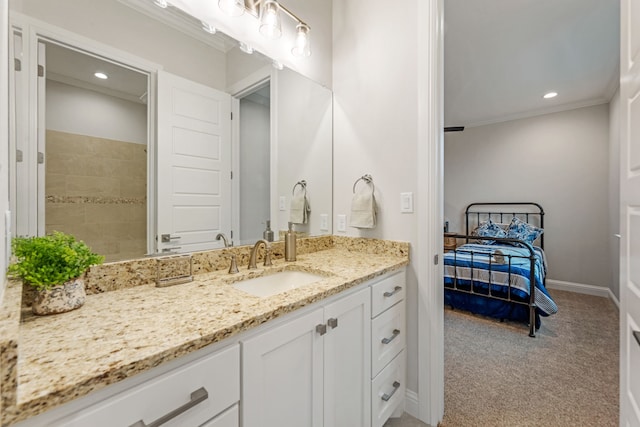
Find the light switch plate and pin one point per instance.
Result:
(324, 222)
(283, 203)
(406, 202)
(342, 223)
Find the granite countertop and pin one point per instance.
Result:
(120, 333)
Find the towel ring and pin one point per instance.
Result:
(367, 179)
(302, 184)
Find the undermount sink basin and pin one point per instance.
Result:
(276, 283)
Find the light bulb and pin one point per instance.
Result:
(270, 26)
(301, 47)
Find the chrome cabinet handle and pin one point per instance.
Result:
(333, 322)
(636, 334)
(396, 332)
(395, 291)
(321, 329)
(197, 396)
(166, 238)
(386, 397)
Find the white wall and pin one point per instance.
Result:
(114, 24)
(559, 160)
(375, 83)
(255, 151)
(303, 142)
(4, 139)
(614, 191)
(86, 112)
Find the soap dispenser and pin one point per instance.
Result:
(290, 244)
(268, 232)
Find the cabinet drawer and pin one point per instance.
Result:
(388, 337)
(387, 391)
(218, 374)
(229, 418)
(387, 292)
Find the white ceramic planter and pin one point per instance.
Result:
(61, 298)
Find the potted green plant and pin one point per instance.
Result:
(55, 266)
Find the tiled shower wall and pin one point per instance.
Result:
(96, 189)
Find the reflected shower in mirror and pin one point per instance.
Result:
(96, 152)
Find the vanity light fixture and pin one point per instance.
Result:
(301, 47)
(161, 3)
(208, 28)
(246, 48)
(232, 7)
(550, 95)
(101, 75)
(270, 26)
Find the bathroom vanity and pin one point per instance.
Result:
(330, 353)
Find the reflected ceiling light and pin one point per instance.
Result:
(270, 26)
(246, 48)
(161, 3)
(232, 7)
(101, 75)
(550, 95)
(301, 47)
(208, 28)
(278, 65)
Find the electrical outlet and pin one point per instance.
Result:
(324, 222)
(283, 203)
(342, 223)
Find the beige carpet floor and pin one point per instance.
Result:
(496, 375)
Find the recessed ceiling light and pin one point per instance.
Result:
(100, 75)
(550, 95)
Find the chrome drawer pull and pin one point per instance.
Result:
(636, 334)
(396, 332)
(197, 396)
(386, 397)
(395, 291)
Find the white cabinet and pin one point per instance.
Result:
(388, 340)
(187, 396)
(312, 370)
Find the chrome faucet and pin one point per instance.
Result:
(267, 254)
(224, 239)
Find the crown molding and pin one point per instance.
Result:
(180, 21)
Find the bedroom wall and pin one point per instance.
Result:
(376, 127)
(614, 191)
(559, 160)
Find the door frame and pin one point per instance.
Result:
(34, 30)
(430, 64)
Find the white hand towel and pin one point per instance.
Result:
(363, 207)
(300, 207)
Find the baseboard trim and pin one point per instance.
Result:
(581, 288)
(411, 404)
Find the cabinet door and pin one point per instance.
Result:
(347, 365)
(282, 375)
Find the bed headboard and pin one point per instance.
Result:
(502, 212)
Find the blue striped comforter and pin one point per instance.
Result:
(483, 264)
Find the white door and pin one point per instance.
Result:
(630, 213)
(282, 375)
(194, 165)
(347, 362)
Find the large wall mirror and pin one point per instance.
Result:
(149, 160)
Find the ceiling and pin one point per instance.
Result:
(502, 56)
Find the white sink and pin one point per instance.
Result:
(276, 283)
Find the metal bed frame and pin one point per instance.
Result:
(482, 212)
